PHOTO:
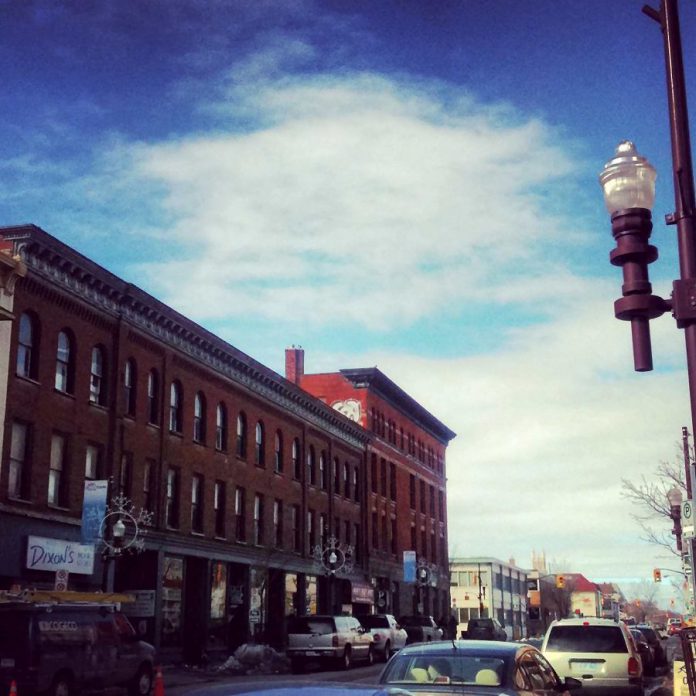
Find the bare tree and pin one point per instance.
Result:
(649, 495)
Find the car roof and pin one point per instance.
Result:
(584, 621)
(466, 647)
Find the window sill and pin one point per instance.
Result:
(195, 532)
(23, 501)
(67, 395)
(60, 508)
(176, 433)
(156, 426)
(98, 406)
(28, 379)
(220, 537)
(240, 541)
(199, 443)
(169, 528)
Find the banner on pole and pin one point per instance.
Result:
(93, 510)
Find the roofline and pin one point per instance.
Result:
(376, 380)
(127, 296)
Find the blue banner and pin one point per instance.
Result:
(409, 566)
(93, 510)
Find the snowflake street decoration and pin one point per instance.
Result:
(122, 528)
(424, 572)
(334, 557)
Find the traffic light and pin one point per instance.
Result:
(560, 582)
(657, 575)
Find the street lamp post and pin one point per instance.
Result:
(628, 181)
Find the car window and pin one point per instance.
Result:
(444, 669)
(534, 673)
(310, 626)
(374, 621)
(586, 638)
(550, 676)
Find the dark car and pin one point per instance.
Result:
(647, 656)
(420, 629)
(468, 666)
(655, 643)
(485, 629)
(59, 649)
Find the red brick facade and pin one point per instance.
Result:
(106, 381)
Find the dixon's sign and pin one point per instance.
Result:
(59, 554)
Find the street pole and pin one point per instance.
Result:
(480, 592)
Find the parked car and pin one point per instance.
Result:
(58, 649)
(328, 639)
(655, 642)
(647, 657)
(420, 629)
(485, 629)
(674, 626)
(478, 667)
(599, 652)
(387, 633)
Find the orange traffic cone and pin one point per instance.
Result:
(13, 688)
(159, 683)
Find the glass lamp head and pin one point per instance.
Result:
(674, 496)
(628, 180)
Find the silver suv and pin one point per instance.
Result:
(338, 639)
(599, 652)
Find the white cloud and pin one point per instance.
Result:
(377, 196)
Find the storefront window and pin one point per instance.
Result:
(290, 594)
(172, 592)
(311, 594)
(217, 636)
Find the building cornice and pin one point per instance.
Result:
(74, 274)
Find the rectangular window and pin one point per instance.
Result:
(432, 501)
(172, 510)
(323, 529)
(346, 480)
(441, 505)
(394, 546)
(356, 485)
(219, 504)
(413, 538)
(337, 529)
(422, 497)
(412, 491)
(392, 481)
(92, 462)
(197, 503)
(278, 523)
(19, 474)
(239, 514)
(383, 477)
(322, 472)
(258, 519)
(125, 477)
(311, 532)
(337, 476)
(385, 539)
(375, 531)
(356, 541)
(57, 475)
(296, 532)
(346, 532)
(149, 485)
(424, 544)
(373, 473)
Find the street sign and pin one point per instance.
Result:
(61, 582)
(687, 513)
(254, 616)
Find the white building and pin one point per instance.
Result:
(490, 588)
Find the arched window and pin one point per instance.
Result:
(241, 435)
(65, 363)
(221, 427)
(296, 473)
(199, 415)
(278, 462)
(175, 407)
(97, 378)
(346, 480)
(28, 347)
(129, 385)
(153, 391)
(260, 450)
(311, 466)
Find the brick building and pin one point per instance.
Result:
(407, 501)
(245, 472)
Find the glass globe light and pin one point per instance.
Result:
(628, 180)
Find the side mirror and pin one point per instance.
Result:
(569, 684)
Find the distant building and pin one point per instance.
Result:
(612, 600)
(488, 587)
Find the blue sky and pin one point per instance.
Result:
(405, 184)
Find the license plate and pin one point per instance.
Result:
(311, 653)
(587, 666)
(7, 662)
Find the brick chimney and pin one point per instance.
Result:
(294, 363)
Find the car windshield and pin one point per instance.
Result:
(480, 623)
(414, 621)
(586, 639)
(374, 621)
(311, 626)
(445, 669)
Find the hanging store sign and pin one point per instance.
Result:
(59, 554)
(409, 566)
(362, 592)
